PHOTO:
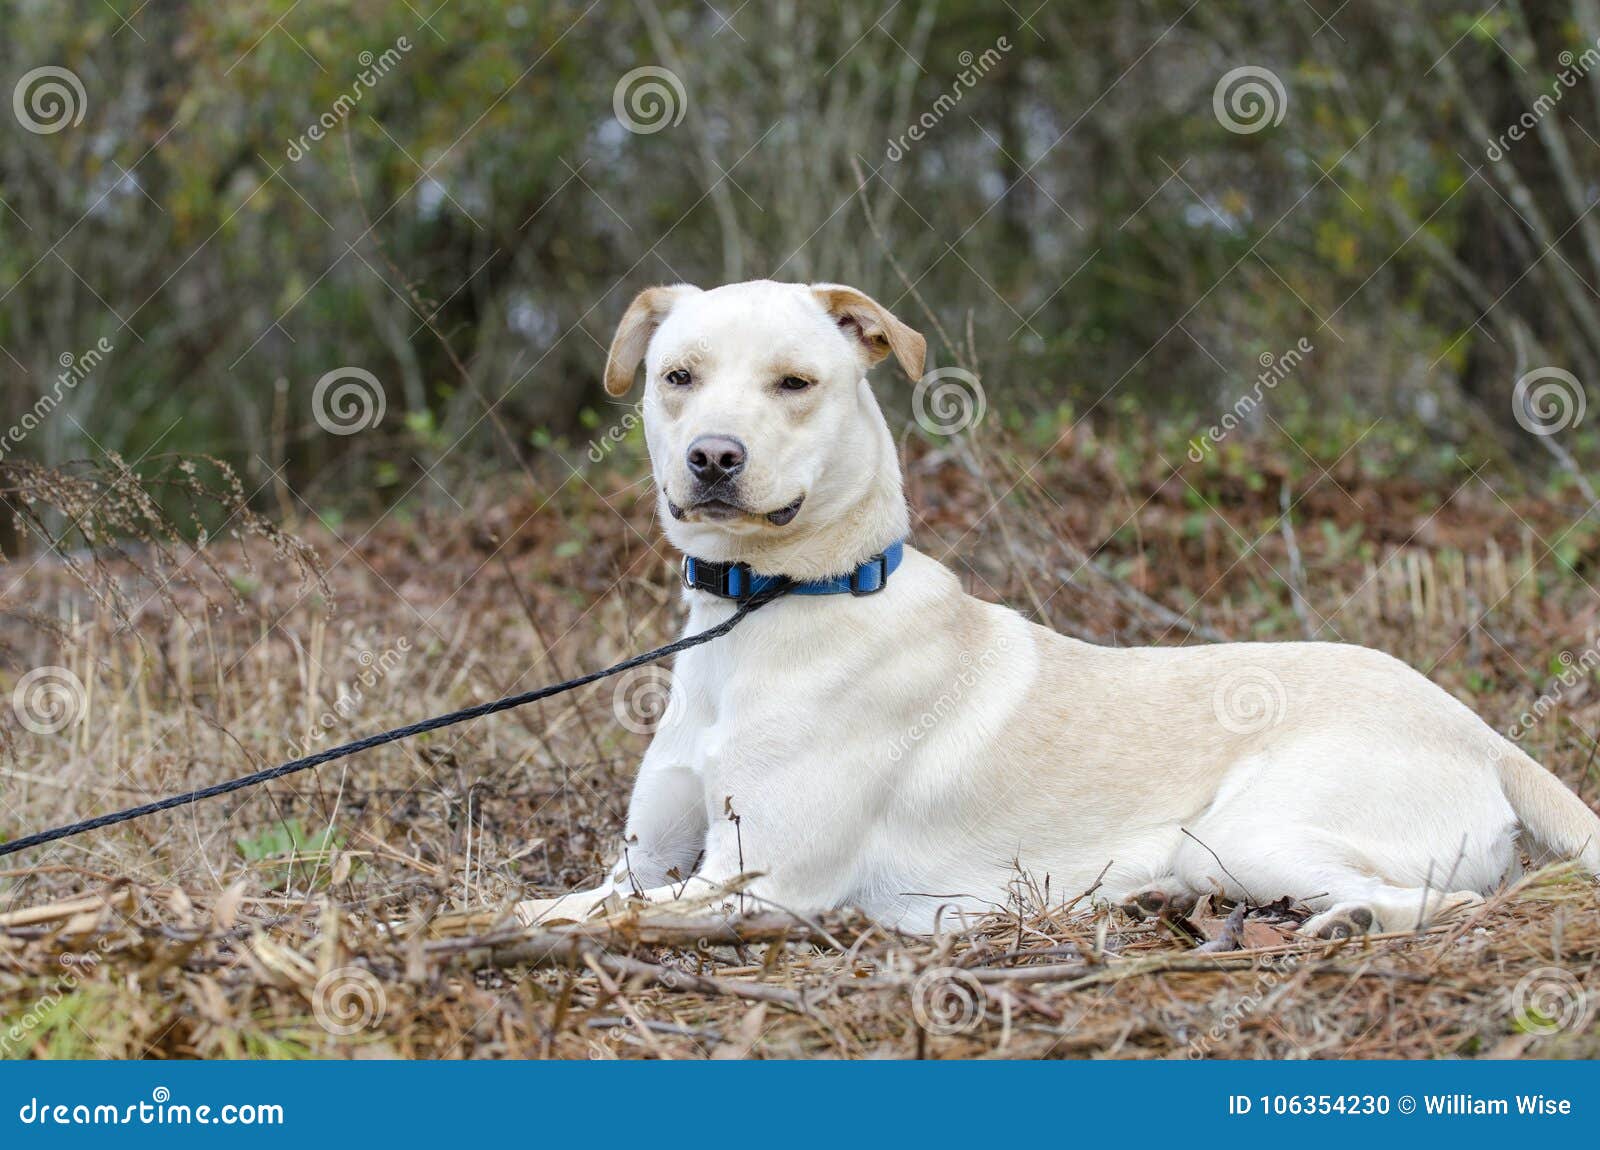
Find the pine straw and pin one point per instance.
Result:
(379, 929)
(268, 976)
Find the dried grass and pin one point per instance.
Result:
(361, 911)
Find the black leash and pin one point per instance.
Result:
(754, 603)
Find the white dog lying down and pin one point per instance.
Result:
(908, 749)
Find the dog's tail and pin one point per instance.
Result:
(1550, 813)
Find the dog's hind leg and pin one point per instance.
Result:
(1316, 868)
(1364, 848)
(1390, 908)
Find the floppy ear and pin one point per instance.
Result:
(638, 324)
(864, 319)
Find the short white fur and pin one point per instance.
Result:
(907, 752)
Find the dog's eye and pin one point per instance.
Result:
(678, 377)
(794, 383)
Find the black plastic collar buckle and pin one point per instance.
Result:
(883, 576)
(726, 580)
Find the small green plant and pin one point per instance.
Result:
(290, 853)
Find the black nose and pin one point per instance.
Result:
(713, 458)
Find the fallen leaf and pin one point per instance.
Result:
(225, 911)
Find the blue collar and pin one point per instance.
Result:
(737, 581)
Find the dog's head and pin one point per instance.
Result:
(766, 442)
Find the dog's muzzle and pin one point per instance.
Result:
(718, 508)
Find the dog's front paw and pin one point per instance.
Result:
(567, 908)
(1157, 902)
(535, 911)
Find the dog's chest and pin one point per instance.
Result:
(766, 697)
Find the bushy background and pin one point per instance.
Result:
(1081, 216)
